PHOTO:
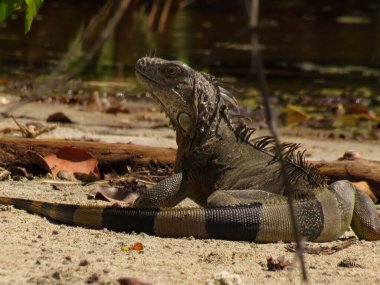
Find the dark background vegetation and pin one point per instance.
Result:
(317, 54)
(206, 33)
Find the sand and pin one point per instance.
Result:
(34, 250)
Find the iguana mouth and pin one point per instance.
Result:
(145, 77)
(155, 97)
(148, 79)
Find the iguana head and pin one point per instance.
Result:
(189, 98)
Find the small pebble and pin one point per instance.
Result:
(56, 275)
(84, 262)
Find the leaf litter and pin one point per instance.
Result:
(324, 250)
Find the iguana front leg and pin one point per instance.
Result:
(167, 193)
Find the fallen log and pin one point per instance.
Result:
(15, 151)
(354, 168)
(19, 151)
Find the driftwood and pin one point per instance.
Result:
(16, 151)
(20, 151)
(353, 168)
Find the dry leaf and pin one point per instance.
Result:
(96, 103)
(349, 263)
(363, 111)
(121, 196)
(131, 281)
(75, 161)
(9, 130)
(138, 246)
(19, 171)
(94, 278)
(279, 263)
(117, 109)
(323, 250)
(364, 187)
(59, 117)
(295, 115)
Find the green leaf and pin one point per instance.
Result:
(7, 7)
(31, 10)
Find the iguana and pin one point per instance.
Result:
(235, 178)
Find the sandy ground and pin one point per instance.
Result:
(34, 250)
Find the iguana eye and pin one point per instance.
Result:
(173, 70)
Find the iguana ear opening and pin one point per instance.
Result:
(185, 123)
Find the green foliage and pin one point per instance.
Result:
(30, 6)
(7, 7)
(31, 10)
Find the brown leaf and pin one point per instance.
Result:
(59, 117)
(66, 175)
(363, 111)
(96, 103)
(294, 115)
(131, 281)
(349, 263)
(8, 130)
(279, 263)
(20, 172)
(138, 246)
(94, 278)
(364, 187)
(74, 161)
(324, 250)
(117, 109)
(122, 196)
(36, 158)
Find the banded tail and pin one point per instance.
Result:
(260, 221)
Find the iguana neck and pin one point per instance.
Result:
(218, 128)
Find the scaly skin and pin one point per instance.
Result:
(213, 154)
(236, 179)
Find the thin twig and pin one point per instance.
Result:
(107, 31)
(257, 66)
(84, 34)
(253, 23)
(164, 15)
(24, 131)
(153, 13)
